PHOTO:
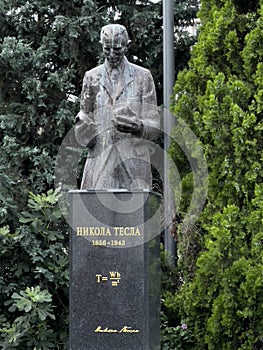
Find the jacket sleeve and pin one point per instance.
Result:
(85, 127)
(149, 112)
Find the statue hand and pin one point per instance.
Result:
(126, 120)
(128, 124)
(85, 130)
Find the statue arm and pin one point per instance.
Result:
(142, 122)
(85, 127)
(149, 113)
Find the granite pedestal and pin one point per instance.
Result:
(115, 273)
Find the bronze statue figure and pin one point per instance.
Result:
(117, 119)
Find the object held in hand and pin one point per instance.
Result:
(125, 120)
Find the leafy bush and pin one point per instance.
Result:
(35, 278)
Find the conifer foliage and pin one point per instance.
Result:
(221, 98)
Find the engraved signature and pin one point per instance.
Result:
(125, 329)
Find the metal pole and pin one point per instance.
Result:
(168, 83)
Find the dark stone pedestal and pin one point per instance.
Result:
(115, 279)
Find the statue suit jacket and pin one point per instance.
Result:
(116, 159)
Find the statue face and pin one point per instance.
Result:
(114, 51)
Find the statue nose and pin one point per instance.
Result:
(111, 52)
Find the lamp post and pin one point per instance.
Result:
(168, 83)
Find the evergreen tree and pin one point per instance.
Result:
(220, 97)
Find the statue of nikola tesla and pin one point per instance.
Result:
(117, 119)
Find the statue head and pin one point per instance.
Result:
(114, 39)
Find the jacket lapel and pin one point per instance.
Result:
(106, 83)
